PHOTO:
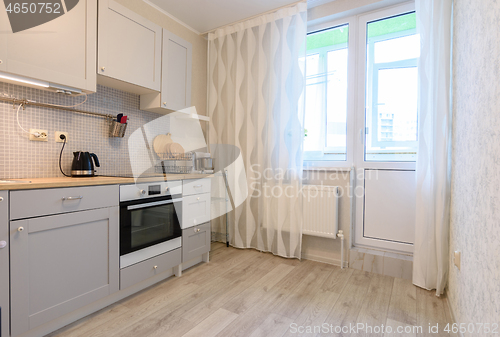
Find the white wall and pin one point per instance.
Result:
(474, 291)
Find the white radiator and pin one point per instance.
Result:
(321, 211)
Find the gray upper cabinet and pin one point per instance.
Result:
(64, 57)
(129, 50)
(176, 77)
(62, 262)
(4, 262)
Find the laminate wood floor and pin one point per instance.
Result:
(248, 293)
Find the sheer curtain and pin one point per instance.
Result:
(430, 259)
(256, 82)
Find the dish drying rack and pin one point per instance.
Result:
(174, 163)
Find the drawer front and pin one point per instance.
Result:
(195, 241)
(143, 270)
(195, 210)
(33, 203)
(196, 186)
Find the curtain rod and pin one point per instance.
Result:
(24, 102)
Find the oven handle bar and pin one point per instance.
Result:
(151, 204)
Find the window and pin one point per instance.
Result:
(392, 51)
(384, 88)
(326, 95)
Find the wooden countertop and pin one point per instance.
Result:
(30, 184)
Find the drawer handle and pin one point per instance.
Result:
(20, 229)
(198, 185)
(73, 198)
(196, 230)
(155, 267)
(1, 199)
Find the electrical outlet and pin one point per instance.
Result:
(42, 137)
(58, 139)
(457, 259)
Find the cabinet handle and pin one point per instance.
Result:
(1, 199)
(3, 244)
(20, 229)
(103, 68)
(165, 103)
(198, 198)
(155, 267)
(1, 61)
(200, 185)
(73, 198)
(196, 230)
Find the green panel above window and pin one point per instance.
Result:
(392, 25)
(327, 38)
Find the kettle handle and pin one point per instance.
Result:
(96, 160)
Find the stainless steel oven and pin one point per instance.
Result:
(150, 220)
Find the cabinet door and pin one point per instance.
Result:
(61, 263)
(129, 49)
(176, 72)
(4, 263)
(195, 210)
(195, 241)
(61, 51)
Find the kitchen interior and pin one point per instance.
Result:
(144, 144)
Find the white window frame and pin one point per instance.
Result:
(351, 67)
(359, 150)
(356, 86)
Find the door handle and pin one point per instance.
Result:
(72, 198)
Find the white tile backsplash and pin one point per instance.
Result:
(21, 158)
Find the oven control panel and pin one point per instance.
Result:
(150, 190)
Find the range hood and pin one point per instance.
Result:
(29, 82)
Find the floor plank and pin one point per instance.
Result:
(213, 324)
(403, 306)
(348, 306)
(376, 304)
(250, 293)
(309, 322)
(431, 312)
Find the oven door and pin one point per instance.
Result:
(149, 228)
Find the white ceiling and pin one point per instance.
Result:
(205, 15)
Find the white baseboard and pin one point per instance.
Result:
(323, 259)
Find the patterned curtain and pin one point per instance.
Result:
(256, 86)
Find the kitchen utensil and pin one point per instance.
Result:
(117, 129)
(203, 161)
(161, 145)
(83, 164)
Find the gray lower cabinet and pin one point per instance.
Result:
(60, 263)
(195, 241)
(143, 270)
(4, 263)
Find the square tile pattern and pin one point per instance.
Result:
(21, 158)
